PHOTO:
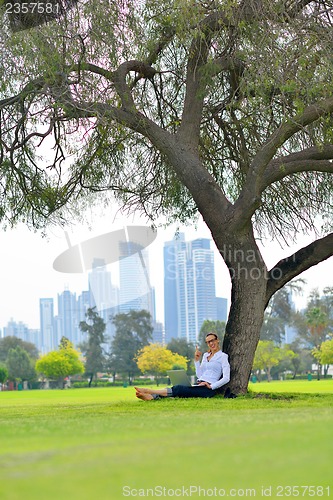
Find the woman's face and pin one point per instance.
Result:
(212, 343)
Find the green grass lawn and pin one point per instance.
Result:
(88, 444)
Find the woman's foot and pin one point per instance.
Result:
(144, 396)
(143, 390)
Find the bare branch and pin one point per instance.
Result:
(287, 130)
(119, 79)
(313, 159)
(249, 200)
(290, 267)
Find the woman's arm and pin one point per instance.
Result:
(198, 365)
(226, 374)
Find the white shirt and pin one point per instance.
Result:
(211, 370)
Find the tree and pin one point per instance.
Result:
(92, 349)
(316, 321)
(267, 355)
(133, 332)
(287, 361)
(179, 108)
(183, 348)
(302, 361)
(156, 359)
(20, 365)
(10, 342)
(324, 353)
(58, 365)
(3, 374)
(279, 313)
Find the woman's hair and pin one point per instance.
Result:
(212, 333)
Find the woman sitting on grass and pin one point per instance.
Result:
(212, 373)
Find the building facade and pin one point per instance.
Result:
(48, 338)
(135, 290)
(189, 287)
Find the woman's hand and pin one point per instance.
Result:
(197, 354)
(207, 384)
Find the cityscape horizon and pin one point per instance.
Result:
(189, 288)
(27, 260)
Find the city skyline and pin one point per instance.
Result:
(26, 263)
(195, 298)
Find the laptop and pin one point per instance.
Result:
(179, 377)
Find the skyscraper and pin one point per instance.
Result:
(135, 291)
(67, 320)
(171, 286)
(48, 340)
(103, 294)
(189, 287)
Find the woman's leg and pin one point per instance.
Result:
(146, 390)
(177, 391)
(197, 391)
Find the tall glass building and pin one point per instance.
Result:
(189, 287)
(135, 291)
(48, 339)
(67, 319)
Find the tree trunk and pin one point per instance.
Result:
(269, 378)
(248, 298)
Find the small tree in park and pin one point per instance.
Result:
(324, 353)
(92, 349)
(133, 331)
(267, 355)
(20, 365)
(156, 359)
(58, 365)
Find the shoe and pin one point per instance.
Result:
(228, 394)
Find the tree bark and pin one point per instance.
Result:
(248, 274)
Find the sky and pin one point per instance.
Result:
(27, 274)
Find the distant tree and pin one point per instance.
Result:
(327, 299)
(20, 365)
(267, 355)
(324, 353)
(156, 359)
(279, 312)
(209, 326)
(93, 351)
(287, 356)
(12, 342)
(60, 364)
(303, 359)
(184, 348)
(3, 374)
(314, 325)
(316, 320)
(133, 332)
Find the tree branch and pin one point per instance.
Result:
(315, 159)
(286, 131)
(119, 80)
(290, 267)
(249, 199)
